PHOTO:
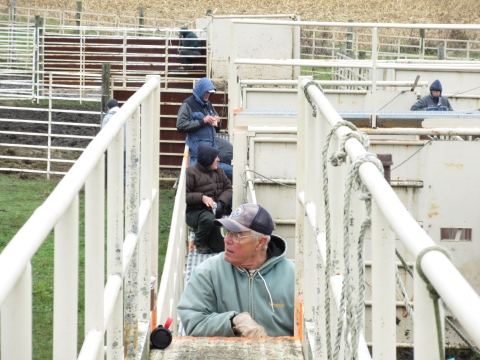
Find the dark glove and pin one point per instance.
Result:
(220, 210)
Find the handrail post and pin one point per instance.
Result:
(374, 75)
(95, 249)
(65, 297)
(115, 238)
(383, 287)
(132, 203)
(144, 244)
(16, 319)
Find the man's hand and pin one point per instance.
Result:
(208, 201)
(247, 327)
(212, 120)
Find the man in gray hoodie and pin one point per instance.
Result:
(433, 102)
(248, 290)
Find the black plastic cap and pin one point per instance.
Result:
(161, 337)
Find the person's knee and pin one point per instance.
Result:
(205, 220)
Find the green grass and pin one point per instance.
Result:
(18, 200)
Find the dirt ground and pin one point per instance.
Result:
(42, 128)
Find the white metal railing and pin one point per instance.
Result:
(323, 43)
(64, 17)
(389, 218)
(172, 282)
(60, 212)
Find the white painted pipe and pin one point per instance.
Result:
(423, 131)
(358, 64)
(91, 345)
(361, 25)
(333, 82)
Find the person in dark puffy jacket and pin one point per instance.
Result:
(433, 102)
(208, 190)
(189, 43)
(198, 118)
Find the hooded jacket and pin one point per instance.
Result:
(187, 34)
(202, 181)
(431, 103)
(217, 291)
(190, 118)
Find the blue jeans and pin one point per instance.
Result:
(228, 170)
(191, 160)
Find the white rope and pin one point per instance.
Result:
(354, 313)
(328, 267)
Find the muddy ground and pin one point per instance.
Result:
(42, 128)
(33, 140)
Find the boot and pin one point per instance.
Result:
(203, 249)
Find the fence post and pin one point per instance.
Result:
(78, 16)
(441, 52)
(422, 42)
(141, 17)
(105, 89)
(350, 41)
(38, 58)
(13, 18)
(49, 141)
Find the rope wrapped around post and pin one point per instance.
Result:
(354, 313)
(307, 96)
(433, 293)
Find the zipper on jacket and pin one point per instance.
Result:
(250, 300)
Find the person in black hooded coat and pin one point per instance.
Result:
(433, 102)
(206, 185)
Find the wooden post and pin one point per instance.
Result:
(350, 41)
(422, 41)
(105, 89)
(78, 16)
(141, 17)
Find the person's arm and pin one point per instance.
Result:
(449, 106)
(419, 105)
(191, 196)
(197, 308)
(188, 121)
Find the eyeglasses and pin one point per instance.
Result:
(235, 236)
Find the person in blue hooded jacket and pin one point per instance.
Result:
(198, 119)
(433, 102)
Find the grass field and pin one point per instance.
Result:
(18, 200)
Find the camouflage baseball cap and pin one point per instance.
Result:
(248, 217)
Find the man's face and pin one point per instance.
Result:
(206, 96)
(435, 93)
(214, 166)
(243, 252)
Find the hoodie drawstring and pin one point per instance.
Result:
(266, 287)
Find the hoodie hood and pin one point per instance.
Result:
(203, 85)
(206, 156)
(437, 86)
